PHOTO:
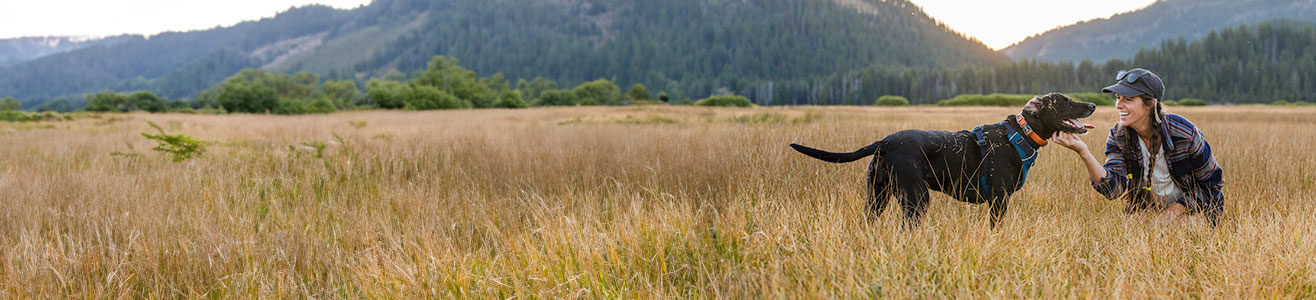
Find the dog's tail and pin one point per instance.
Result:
(839, 157)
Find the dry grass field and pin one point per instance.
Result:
(615, 202)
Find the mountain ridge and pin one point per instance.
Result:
(1122, 35)
(686, 46)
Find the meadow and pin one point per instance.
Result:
(615, 202)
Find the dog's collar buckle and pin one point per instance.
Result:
(1028, 131)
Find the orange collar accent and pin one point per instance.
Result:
(1028, 131)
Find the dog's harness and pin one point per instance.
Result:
(1027, 154)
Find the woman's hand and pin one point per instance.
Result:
(1069, 140)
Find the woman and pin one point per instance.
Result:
(1177, 174)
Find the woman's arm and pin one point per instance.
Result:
(1108, 179)
(1095, 172)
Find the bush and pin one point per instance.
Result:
(557, 98)
(321, 105)
(511, 99)
(892, 101)
(588, 102)
(182, 147)
(1170, 103)
(603, 91)
(9, 104)
(987, 100)
(18, 116)
(386, 94)
(424, 97)
(1192, 102)
(736, 101)
(1102, 99)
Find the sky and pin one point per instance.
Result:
(997, 23)
(1001, 23)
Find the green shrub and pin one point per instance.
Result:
(987, 100)
(557, 98)
(424, 97)
(1102, 99)
(182, 147)
(1170, 103)
(892, 101)
(1192, 102)
(588, 102)
(18, 116)
(10, 104)
(736, 101)
(511, 99)
(1280, 102)
(321, 105)
(290, 107)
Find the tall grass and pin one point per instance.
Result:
(526, 203)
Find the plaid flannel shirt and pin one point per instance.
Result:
(1191, 163)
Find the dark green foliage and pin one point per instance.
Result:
(424, 97)
(1102, 99)
(1239, 65)
(446, 75)
(557, 98)
(638, 92)
(321, 105)
(180, 146)
(1287, 103)
(736, 101)
(116, 102)
(18, 116)
(291, 107)
(9, 104)
(511, 99)
(1192, 102)
(532, 89)
(242, 94)
(63, 105)
(602, 91)
(386, 94)
(986, 100)
(892, 101)
(662, 96)
(340, 93)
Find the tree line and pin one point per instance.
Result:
(1269, 62)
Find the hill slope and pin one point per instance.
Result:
(1120, 36)
(18, 50)
(683, 46)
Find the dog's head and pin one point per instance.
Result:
(1053, 112)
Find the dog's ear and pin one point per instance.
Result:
(1034, 106)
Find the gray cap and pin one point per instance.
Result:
(1137, 82)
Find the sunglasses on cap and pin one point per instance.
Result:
(1129, 76)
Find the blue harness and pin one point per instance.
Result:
(1026, 154)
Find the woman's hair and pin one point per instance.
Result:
(1131, 150)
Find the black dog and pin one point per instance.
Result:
(984, 165)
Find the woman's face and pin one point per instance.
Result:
(1132, 110)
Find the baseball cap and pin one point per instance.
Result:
(1137, 82)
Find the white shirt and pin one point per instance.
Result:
(1161, 183)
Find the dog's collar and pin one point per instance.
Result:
(1028, 131)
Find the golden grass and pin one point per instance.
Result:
(625, 202)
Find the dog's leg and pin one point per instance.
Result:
(998, 209)
(912, 190)
(879, 188)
